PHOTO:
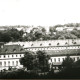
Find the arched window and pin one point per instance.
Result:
(74, 43)
(14, 50)
(31, 44)
(66, 43)
(6, 50)
(49, 44)
(20, 55)
(8, 56)
(4, 56)
(12, 55)
(21, 49)
(40, 44)
(16, 55)
(57, 43)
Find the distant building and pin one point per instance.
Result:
(57, 49)
(67, 28)
(10, 55)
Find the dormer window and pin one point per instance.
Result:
(49, 44)
(12, 56)
(21, 49)
(6, 50)
(40, 44)
(74, 43)
(57, 43)
(4, 56)
(66, 43)
(14, 50)
(31, 44)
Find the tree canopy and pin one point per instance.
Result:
(38, 61)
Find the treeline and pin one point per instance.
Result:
(38, 33)
(10, 35)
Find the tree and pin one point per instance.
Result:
(43, 60)
(67, 63)
(38, 61)
(28, 60)
(52, 29)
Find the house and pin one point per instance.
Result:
(57, 50)
(10, 55)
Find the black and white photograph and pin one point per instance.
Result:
(39, 39)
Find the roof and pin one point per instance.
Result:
(47, 43)
(63, 52)
(11, 49)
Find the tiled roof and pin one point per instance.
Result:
(63, 52)
(11, 49)
(47, 43)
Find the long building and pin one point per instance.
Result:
(57, 49)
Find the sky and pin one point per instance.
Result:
(39, 12)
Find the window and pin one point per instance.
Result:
(12, 63)
(63, 59)
(0, 63)
(16, 63)
(51, 60)
(31, 44)
(57, 43)
(20, 55)
(74, 59)
(4, 63)
(77, 58)
(66, 43)
(49, 43)
(14, 50)
(16, 55)
(8, 56)
(4, 56)
(74, 43)
(8, 63)
(21, 49)
(40, 44)
(59, 59)
(54, 59)
(12, 55)
(6, 50)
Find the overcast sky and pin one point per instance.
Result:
(39, 12)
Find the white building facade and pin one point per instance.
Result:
(57, 49)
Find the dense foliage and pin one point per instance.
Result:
(40, 33)
(34, 61)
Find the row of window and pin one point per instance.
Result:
(9, 63)
(77, 47)
(59, 59)
(9, 56)
(57, 43)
